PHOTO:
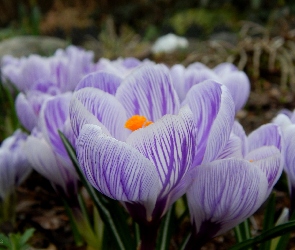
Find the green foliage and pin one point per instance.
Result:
(126, 44)
(207, 19)
(16, 241)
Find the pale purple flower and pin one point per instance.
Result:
(14, 166)
(63, 70)
(227, 191)
(98, 119)
(24, 74)
(44, 147)
(223, 194)
(148, 172)
(225, 73)
(148, 91)
(28, 107)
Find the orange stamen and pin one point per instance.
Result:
(251, 160)
(136, 122)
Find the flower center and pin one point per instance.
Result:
(136, 122)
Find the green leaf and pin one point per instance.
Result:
(26, 236)
(282, 241)
(4, 241)
(166, 230)
(242, 231)
(268, 221)
(106, 207)
(266, 235)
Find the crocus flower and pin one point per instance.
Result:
(226, 73)
(143, 97)
(286, 121)
(148, 172)
(227, 191)
(64, 70)
(28, 107)
(14, 166)
(44, 147)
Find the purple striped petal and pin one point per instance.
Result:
(148, 91)
(213, 109)
(193, 76)
(14, 166)
(239, 131)
(105, 108)
(177, 75)
(102, 80)
(233, 148)
(33, 69)
(53, 116)
(265, 135)
(47, 163)
(270, 161)
(25, 112)
(170, 145)
(79, 116)
(289, 136)
(116, 169)
(223, 194)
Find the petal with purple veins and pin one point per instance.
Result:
(53, 115)
(102, 80)
(270, 161)
(116, 169)
(45, 162)
(170, 145)
(213, 109)
(225, 193)
(106, 109)
(289, 135)
(25, 112)
(265, 135)
(149, 91)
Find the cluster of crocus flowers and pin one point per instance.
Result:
(146, 134)
(196, 149)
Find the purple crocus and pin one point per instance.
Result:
(28, 107)
(14, 166)
(63, 70)
(227, 191)
(226, 73)
(45, 149)
(147, 94)
(147, 173)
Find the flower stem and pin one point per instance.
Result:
(7, 208)
(148, 235)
